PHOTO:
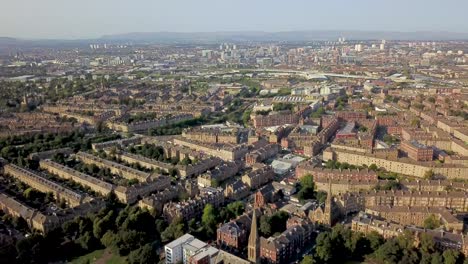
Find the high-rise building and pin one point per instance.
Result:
(358, 47)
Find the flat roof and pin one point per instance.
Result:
(181, 240)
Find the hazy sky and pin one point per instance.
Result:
(93, 18)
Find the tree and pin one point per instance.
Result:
(282, 106)
(324, 250)
(265, 226)
(318, 113)
(436, 258)
(373, 167)
(392, 185)
(173, 231)
(246, 117)
(307, 190)
(427, 243)
(161, 225)
(143, 255)
(186, 161)
(321, 197)
(451, 256)
(129, 240)
(209, 219)
(405, 240)
(308, 260)
(192, 225)
(236, 208)
(278, 221)
(431, 222)
(362, 129)
(29, 193)
(109, 240)
(389, 252)
(410, 257)
(102, 225)
(429, 175)
(111, 200)
(214, 183)
(415, 122)
(360, 246)
(140, 220)
(87, 241)
(375, 240)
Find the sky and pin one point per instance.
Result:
(72, 19)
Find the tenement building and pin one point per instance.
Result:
(65, 172)
(416, 215)
(115, 168)
(284, 248)
(275, 119)
(403, 166)
(258, 177)
(320, 173)
(193, 208)
(45, 222)
(417, 151)
(366, 224)
(226, 152)
(42, 184)
(355, 202)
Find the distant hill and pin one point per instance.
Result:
(6, 40)
(217, 37)
(295, 36)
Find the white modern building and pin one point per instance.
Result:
(191, 248)
(174, 250)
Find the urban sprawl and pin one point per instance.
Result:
(320, 152)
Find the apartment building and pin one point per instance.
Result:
(275, 119)
(65, 172)
(258, 177)
(359, 201)
(115, 168)
(130, 194)
(143, 126)
(236, 190)
(42, 184)
(286, 247)
(156, 201)
(216, 134)
(402, 166)
(193, 208)
(366, 224)
(351, 115)
(417, 151)
(416, 215)
(262, 153)
(219, 174)
(320, 173)
(235, 233)
(45, 222)
(174, 250)
(225, 152)
(117, 143)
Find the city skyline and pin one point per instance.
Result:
(52, 19)
(247, 132)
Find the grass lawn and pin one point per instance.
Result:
(102, 256)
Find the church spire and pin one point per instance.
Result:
(254, 245)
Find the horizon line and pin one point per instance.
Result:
(102, 35)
